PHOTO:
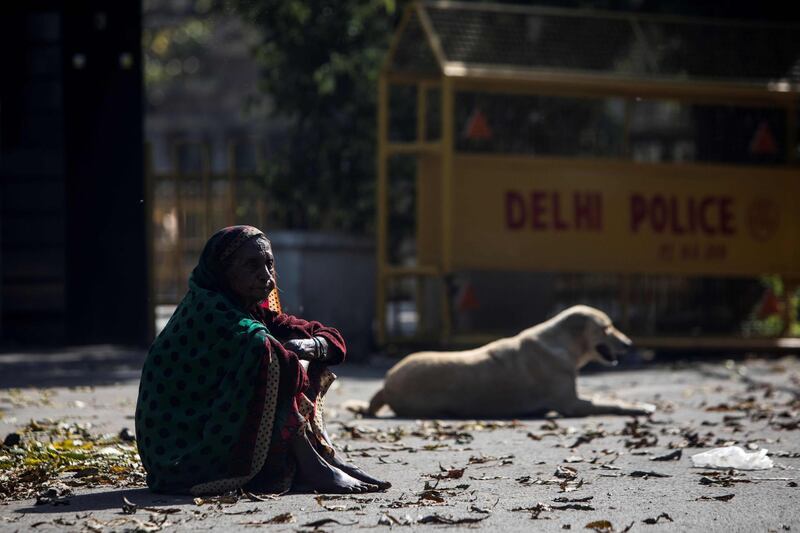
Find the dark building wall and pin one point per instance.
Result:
(32, 210)
(72, 217)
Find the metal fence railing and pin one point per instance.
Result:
(191, 200)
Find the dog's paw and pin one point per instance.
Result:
(358, 407)
(644, 408)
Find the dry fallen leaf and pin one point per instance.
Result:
(325, 521)
(388, 520)
(655, 520)
(230, 498)
(432, 495)
(672, 456)
(55, 495)
(86, 472)
(587, 437)
(722, 479)
(480, 459)
(646, 475)
(564, 499)
(452, 473)
(570, 486)
(573, 506)
(566, 472)
(722, 498)
(448, 520)
(283, 518)
(259, 498)
(602, 526)
(535, 511)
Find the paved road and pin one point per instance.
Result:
(563, 474)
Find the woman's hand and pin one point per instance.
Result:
(314, 349)
(304, 348)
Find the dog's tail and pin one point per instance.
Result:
(376, 403)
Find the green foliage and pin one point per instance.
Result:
(52, 452)
(173, 40)
(773, 325)
(319, 64)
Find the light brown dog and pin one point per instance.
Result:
(530, 373)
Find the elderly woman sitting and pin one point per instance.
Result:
(224, 401)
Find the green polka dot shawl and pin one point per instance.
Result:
(219, 397)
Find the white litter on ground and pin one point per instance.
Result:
(733, 457)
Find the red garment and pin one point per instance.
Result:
(295, 382)
(285, 327)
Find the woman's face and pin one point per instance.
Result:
(251, 273)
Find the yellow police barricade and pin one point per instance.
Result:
(554, 140)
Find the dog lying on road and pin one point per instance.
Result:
(530, 373)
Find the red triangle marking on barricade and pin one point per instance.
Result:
(468, 301)
(478, 128)
(763, 142)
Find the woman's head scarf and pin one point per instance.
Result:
(210, 271)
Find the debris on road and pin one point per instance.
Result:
(672, 456)
(604, 526)
(721, 498)
(48, 449)
(733, 457)
(449, 520)
(647, 474)
(655, 520)
(581, 471)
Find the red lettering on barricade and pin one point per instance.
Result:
(538, 210)
(558, 222)
(726, 215)
(515, 210)
(638, 211)
(709, 215)
(716, 252)
(550, 210)
(692, 209)
(674, 216)
(666, 252)
(690, 251)
(658, 214)
(704, 224)
(587, 210)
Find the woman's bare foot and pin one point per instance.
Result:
(315, 474)
(357, 473)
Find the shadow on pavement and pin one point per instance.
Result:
(106, 365)
(71, 367)
(361, 371)
(110, 499)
